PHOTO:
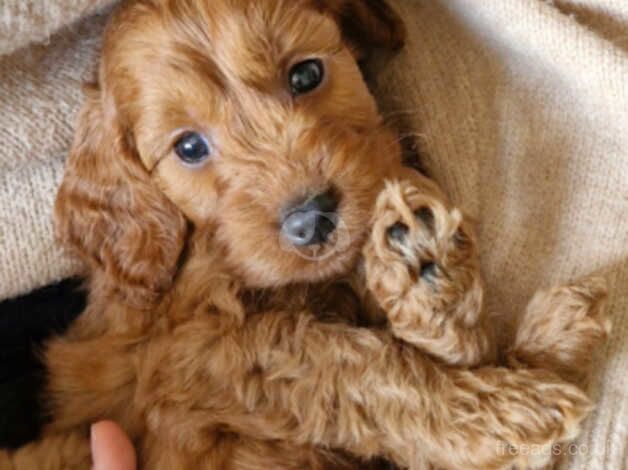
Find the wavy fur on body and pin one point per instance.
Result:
(216, 347)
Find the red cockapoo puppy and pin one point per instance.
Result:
(269, 286)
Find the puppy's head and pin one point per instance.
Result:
(247, 121)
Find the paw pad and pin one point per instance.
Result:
(397, 232)
(425, 215)
(428, 270)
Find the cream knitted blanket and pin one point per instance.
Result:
(519, 108)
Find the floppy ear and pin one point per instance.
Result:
(367, 24)
(110, 213)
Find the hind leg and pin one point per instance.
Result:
(560, 331)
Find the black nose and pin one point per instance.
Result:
(312, 222)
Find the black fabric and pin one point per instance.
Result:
(25, 324)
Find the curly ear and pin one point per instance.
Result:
(109, 212)
(367, 24)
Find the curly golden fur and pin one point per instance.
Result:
(216, 347)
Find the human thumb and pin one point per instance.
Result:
(111, 448)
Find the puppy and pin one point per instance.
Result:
(230, 170)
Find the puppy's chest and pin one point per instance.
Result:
(331, 301)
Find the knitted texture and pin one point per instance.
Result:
(40, 93)
(26, 21)
(519, 109)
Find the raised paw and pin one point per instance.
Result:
(421, 267)
(420, 251)
(561, 329)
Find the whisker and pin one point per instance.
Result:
(417, 135)
(391, 116)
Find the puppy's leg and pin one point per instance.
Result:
(562, 328)
(422, 268)
(84, 385)
(560, 331)
(292, 378)
(70, 451)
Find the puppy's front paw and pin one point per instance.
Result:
(421, 259)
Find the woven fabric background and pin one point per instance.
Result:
(40, 93)
(519, 109)
(23, 22)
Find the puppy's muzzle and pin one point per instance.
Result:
(311, 222)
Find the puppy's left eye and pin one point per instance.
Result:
(306, 76)
(192, 148)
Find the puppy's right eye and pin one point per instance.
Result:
(192, 148)
(306, 76)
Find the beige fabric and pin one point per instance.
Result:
(26, 21)
(40, 92)
(519, 108)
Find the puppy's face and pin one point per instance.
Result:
(253, 118)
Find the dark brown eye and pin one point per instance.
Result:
(192, 148)
(306, 76)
